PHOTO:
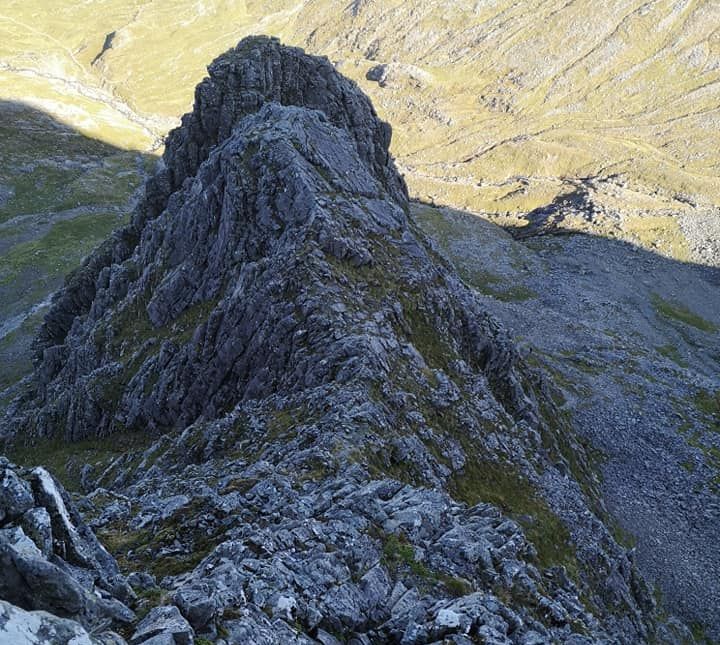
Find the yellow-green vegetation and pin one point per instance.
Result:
(15, 351)
(449, 229)
(671, 352)
(496, 107)
(61, 193)
(700, 635)
(678, 312)
(708, 403)
(45, 259)
(136, 549)
(399, 553)
(132, 326)
(49, 167)
(436, 350)
(501, 485)
(659, 232)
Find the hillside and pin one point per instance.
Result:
(497, 107)
(331, 431)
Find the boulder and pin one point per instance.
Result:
(197, 604)
(163, 625)
(21, 627)
(31, 582)
(37, 526)
(15, 496)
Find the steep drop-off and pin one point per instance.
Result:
(287, 407)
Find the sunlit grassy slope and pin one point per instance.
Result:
(498, 107)
(495, 104)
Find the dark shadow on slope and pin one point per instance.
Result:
(633, 341)
(61, 194)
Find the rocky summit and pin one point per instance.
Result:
(292, 421)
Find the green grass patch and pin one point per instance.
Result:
(398, 554)
(16, 351)
(40, 190)
(496, 287)
(680, 313)
(137, 550)
(65, 460)
(671, 352)
(708, 402)
(59, 251)
(426, 337)
(708, 405)
(700, 635)
(518, 293)
(503, 486)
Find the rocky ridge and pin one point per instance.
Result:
(340, 444)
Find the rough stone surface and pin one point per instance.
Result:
(37, 525)
(601, 317)
(49, 559)
(15, 496)
(20, 627)
(164, 622)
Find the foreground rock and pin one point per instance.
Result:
(347, 446)
(49, 559)
(21, 627)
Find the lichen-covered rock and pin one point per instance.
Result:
(196, 604)
(20, 627)
(15, 496)
(31, 581)
(50, 560)
(36, 524)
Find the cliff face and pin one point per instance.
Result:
(337, 440)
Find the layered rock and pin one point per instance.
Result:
(258, 71)
(347, 444)
(51, 561)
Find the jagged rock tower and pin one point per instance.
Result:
(339, 444)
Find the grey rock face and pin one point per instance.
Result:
(15, 496)
(36, 524)
(163, 624)
(347, 443)
(33, 582)
(21, 627)
(258, 71)
(196, 603)
(49, 558)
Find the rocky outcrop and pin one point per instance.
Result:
(50, 560)
(258, 71)
(21, 627)
(346, 445)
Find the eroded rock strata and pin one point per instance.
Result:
(337, 442)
